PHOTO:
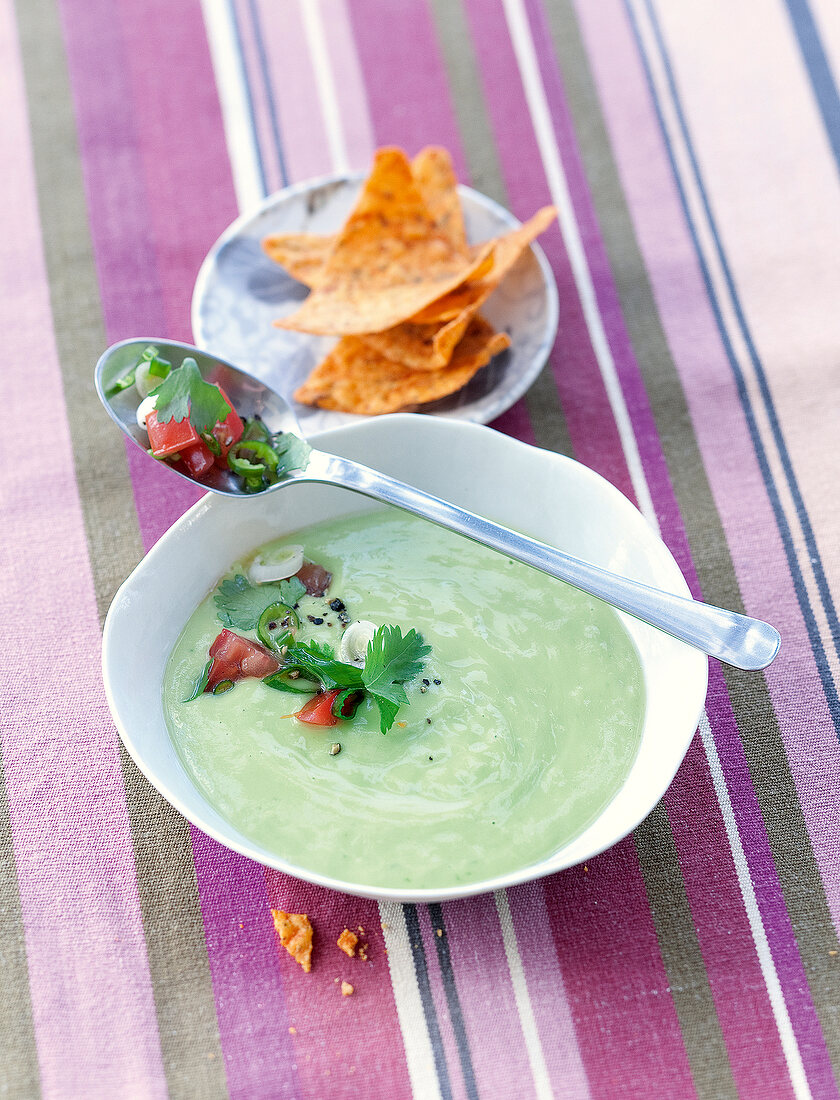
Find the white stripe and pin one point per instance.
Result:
(552, 164)
(539, 1070)
(419, 1056)
(317, 42)
(541, 118)
(762, 946)
(229, 69)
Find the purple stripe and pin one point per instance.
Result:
(336, 1037)
(516, 422)
(748, 816)
(188, 186)
(403, 65)
(247, 981)
(579, 384)
(615, 980)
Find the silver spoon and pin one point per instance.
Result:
(732, 638)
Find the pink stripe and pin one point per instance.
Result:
(92, 1003)
(579, 384)
(338, 1039)
(724, 935)
(294, 90)
(349, 84)
(740, 495)
(486, 998)
(596, 442)
(552, 1008)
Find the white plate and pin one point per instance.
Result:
(543, 494)
(239, 292)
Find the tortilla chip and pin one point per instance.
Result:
(436, 180)
(302, 254)
(507, 250)
(295, 932)
(421, 347)
(429, 345)
(354, 378)
(389, 261)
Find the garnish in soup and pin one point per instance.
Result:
(521, 726)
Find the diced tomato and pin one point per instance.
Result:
(227, 431)
(317, 711)
(235, 657)
(314, 578)
(198, 459)
(171, 437)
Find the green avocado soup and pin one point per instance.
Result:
(530, 731)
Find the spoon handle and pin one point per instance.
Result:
(735, 639)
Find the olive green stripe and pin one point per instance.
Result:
(169, 901)
(776, 793)
(682, 958)
(454, 37)
(659, 859)
(19, 1072)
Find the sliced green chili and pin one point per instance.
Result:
(277, 615)
(222, 687)
(346, 703)
(266, 456)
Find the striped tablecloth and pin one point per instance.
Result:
(693, 152)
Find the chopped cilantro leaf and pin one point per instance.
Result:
(392, 658)
(291, 591)
(316, 662)
(292, 452)
(185, 394)
(239, 604)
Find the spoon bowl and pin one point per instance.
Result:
(249, 396)
(733, 638)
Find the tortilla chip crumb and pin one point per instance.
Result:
(347, 942)
(439, 932)
(362, 952)
(295, 932)
(346, 989)
(293, 1031)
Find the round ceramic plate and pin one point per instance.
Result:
(240, 292)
